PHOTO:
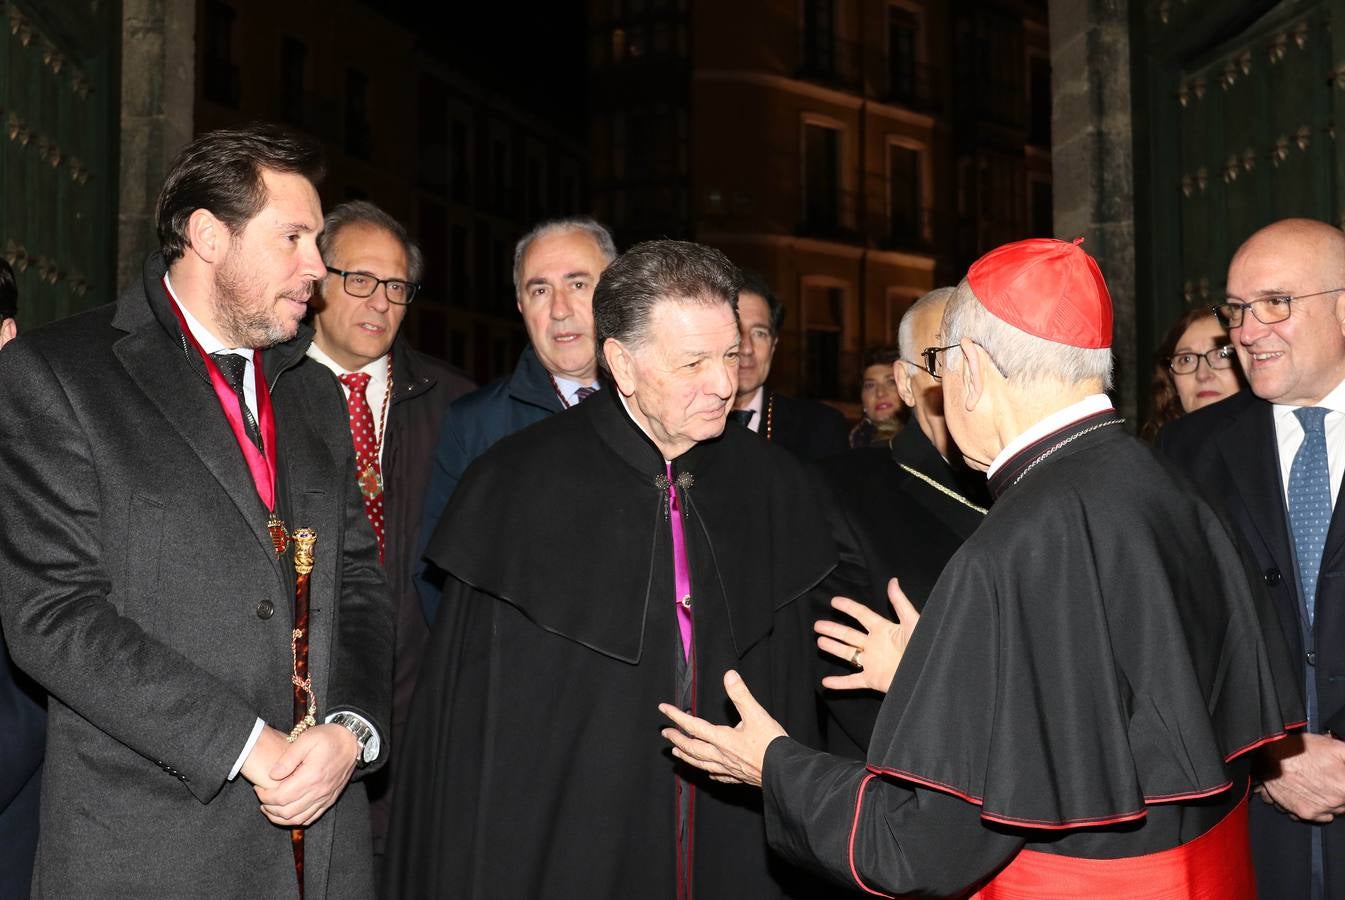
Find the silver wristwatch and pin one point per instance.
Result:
(363, 736)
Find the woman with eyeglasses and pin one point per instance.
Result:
(1195, 366)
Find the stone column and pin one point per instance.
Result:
(158, 87)
(1092, 160)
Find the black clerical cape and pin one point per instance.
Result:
(533, 764)
(1085, 681)
(907, 511)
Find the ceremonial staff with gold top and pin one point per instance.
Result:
(305, 702)
(184, 422)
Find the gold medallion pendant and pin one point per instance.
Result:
(371, 482)
(280, 537)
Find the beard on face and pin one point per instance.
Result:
(243, 313)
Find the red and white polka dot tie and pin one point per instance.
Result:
(368, 473)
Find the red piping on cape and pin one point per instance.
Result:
(1266, 740)
(854, 827)
(1049, 825)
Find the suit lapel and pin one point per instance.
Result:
(1251, 453)
(162, 372)
(1334, 551)
(313, 482)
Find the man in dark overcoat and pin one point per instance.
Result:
(556, 266)
(396, 397)
(1273, 459)
(158, 453)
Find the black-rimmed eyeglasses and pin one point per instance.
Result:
(1267, 310)
(1187, 363)
(930, 358)
(362, 284)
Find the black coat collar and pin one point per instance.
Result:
(580, 539)
(911, 447)
(1040, 451)
(151, 304)
(531, 383)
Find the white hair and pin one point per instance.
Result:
(1019, 356)
(910, 354)
(591, 227)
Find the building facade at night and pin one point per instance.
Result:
(467, 170)
(98, 97)
(857, 153)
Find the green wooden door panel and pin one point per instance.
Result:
(1236, 111)
(59, 101)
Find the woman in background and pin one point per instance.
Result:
(879, 399)
(1195, 366)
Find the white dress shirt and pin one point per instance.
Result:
(569, 389)
(758, 407)
(211, 344)
(376, 394)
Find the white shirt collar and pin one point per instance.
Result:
(1334, 401)
(204, 336)
(1088, 406)
(569, 388)
(376, 370)
(638, 424)
(758, 405)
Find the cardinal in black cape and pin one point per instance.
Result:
(1073, 714)
(620, 554)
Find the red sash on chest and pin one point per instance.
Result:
(1215, 866)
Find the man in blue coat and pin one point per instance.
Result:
(23, 728)
(556, 266)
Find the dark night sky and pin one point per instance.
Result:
(534, 54)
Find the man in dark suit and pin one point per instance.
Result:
(396, 397)
(1273, 458)
(556, 266)
(908, 506)
(810, 429)
(23, 716)
(157, 453)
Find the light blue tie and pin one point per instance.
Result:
(1310, 501)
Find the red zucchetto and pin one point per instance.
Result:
(1048, 288)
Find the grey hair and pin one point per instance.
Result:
(1021, 357)
(362, 212)
(651, 273)
(910, 354)
(592, 227)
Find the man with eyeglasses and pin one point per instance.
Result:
(808, 428)
(396, 398)
(161, 458)
(909, 505)
(1071, 714)
(1274, 458)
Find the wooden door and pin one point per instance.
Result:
(59, 107)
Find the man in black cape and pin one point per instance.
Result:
(616, 555)
(909, 506)
(1073, 713)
